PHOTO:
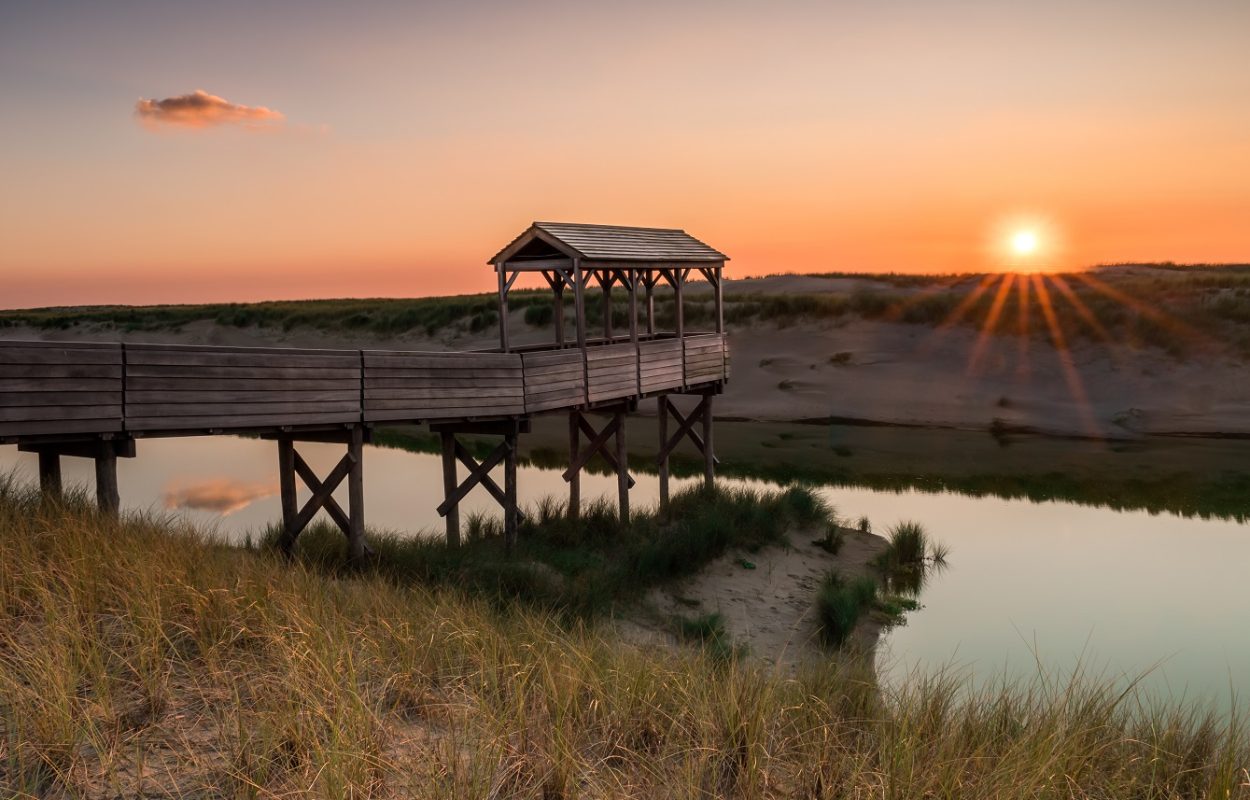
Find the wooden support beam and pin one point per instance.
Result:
(579, 301)
(50, 475)
(685, 429)
(503, 307)
(575, 479)
(488, 483)
(510, 516)
(709, 456)
(596, 444)
(662, 412)
(591, 434)
(623, 481)
(475, 476)
(449, 487)
(356, 549)
(107, 496)
(295, 520)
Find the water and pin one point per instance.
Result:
(1120, 593)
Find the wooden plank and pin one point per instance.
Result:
(59, 355)
(557, 369)
(439, 360)
(419, 415)
(8, 371)
(39, 413)
(59, 398)
(436, 392)
(229, 409)
(448, 402)
(269, 373)
(140, 347)
(237, 422)
(55, 344)
(544, 357)
(230, 358)
(59, 385)
(449, 372)
(41, 427)
(177, 383)
(269, 394)
(450, 383)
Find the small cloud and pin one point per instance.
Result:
(223, 495)
(203, 110)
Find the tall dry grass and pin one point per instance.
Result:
(138, 658)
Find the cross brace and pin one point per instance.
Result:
(479, 475)
(296, 519)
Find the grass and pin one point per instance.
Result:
(586, 568)
(141, 659)
(841, 603)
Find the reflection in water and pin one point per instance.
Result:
(222, 495)
(1054, 583)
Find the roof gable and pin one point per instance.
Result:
(610, 243)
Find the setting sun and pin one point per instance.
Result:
(1024, 243)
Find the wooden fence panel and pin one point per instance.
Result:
(660, 365)
(432, 386)
(59, 387)
(705, 359)
(193, 387)
(554, 379)
(611, 372)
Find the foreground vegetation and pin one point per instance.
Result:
(137, 658)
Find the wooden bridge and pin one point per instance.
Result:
(95, 400)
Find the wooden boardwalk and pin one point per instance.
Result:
(90, 400)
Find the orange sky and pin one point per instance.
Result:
(388, 149)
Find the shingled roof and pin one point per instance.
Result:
(609, 243)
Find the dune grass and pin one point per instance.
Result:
(138, 658)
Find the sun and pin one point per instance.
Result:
(1024, 243)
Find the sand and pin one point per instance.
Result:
(768, 610)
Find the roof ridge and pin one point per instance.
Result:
(613, 227)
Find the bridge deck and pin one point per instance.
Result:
(82, 390)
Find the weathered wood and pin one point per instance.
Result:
(331, 506)
(584, 425)
(500, 273)
(488, 483)
(709, 456)
(452, 516)
(356, 497)
(662, 461)
(107, 496)
(579, 299)
(496, 456)
(591, 449)
(623, 479)
(50, 475)
(324, 491)
(236, 423)
(287, 494)
(510, 494)
(575, 477)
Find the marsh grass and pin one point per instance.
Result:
(140, 658)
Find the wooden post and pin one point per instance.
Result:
(579, 300)
(649, 284)
(622, 468)
(720, 298)
(632, 285)
(286, 484)
(50, 474)
(662, 411)
(509, 489)
(575, 480)
(107, 496)
(708, 454)
(678, 307)
(605, 283)
(503, 308)
(450, 483)
(356, 497)
(559, 309)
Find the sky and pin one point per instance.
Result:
(191, 152)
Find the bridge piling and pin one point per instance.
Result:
(291, 464)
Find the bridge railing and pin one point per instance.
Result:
(71, 388)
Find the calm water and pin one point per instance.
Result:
(1119, 592)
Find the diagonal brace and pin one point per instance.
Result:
(595, 445)
(685, 428)
(322, 493)
(589, 430)
(488, 483)
(477, 473)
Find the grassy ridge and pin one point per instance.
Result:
(136, 658)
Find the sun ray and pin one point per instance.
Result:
(991, 321)
(1070, 374)
(1081, 308)
(1023, 327)
(965, 305)
(1150, 312)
